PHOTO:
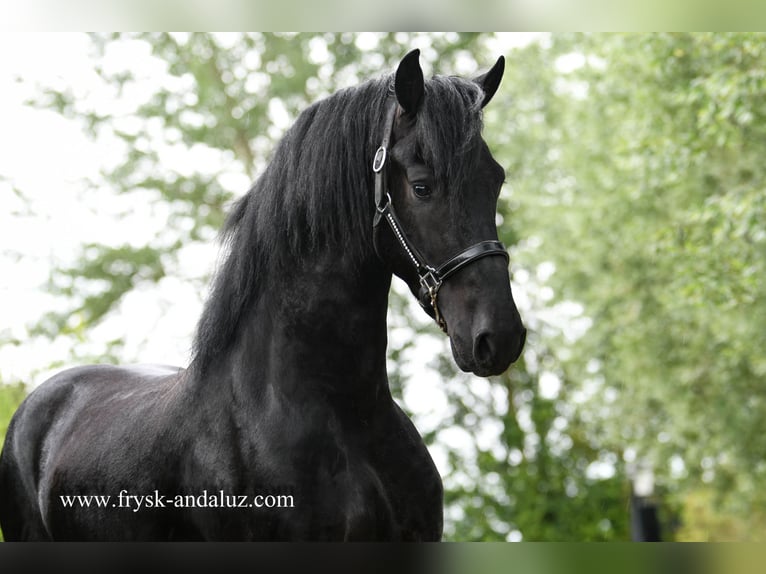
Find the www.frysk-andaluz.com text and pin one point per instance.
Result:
(137, 502)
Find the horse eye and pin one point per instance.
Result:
(421, 190)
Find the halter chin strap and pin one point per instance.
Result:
(431, 278)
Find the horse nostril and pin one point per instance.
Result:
(483, 350)
(490, 349)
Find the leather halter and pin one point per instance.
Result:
(431, 278)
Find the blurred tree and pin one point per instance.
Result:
(11, 395)
(649, 200)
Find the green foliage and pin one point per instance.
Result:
(534, 478)
(654, 219)
(11, 396)
(114, 270)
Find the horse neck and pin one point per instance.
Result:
(317, 330)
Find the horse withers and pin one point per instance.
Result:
(283, 426)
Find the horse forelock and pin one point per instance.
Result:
(449, 128)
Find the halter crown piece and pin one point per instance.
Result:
(431, 278)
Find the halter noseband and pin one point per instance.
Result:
(431, 278)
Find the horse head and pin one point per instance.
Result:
(442, 237)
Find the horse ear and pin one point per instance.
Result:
(491, 80)
(409, 83)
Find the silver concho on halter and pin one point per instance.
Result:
(380, 159)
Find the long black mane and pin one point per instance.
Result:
(316, 191)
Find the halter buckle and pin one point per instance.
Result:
(430, 281)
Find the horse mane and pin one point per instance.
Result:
(316, 192)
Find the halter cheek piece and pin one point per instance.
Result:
(431, 278)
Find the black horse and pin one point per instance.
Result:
(283, 426)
